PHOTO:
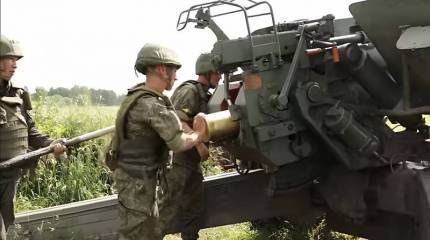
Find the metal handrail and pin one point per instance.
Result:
(181, 25)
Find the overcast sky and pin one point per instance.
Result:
(94, 43)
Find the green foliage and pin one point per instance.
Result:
(82, 176)
(82, 96)
(231, 232)
(79, 178)
(274, 229)
(211, 166)
(269, 231)
(61, 117)
(40, 94)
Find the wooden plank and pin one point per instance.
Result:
(231, 198)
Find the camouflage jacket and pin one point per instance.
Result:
(16, 136)
(36, 139)
(146, 128)
(189, 99)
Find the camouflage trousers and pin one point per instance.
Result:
(186, 191)
(7, 216)
(141, 203)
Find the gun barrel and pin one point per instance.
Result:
(21, 159)
(351, 38)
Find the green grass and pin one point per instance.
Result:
(82, 176)
(59, 118)
(284, 231)
(230, 232)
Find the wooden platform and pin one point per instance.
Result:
(233, 198)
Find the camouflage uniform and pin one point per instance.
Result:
(17, 131)
(150, 128)
(17, 134)
(185, 177)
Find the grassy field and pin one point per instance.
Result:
(82, 176)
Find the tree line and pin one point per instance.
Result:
(80, 95)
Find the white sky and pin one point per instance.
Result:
(94, 43)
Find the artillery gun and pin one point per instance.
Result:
(311, 107)
(308, 102)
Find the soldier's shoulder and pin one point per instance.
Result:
(188, 86)
(141, 93)
(18, 89)
(150, 99)
(190, 82)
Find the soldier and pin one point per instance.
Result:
(17, 130)
(146, 128)
(186, 176)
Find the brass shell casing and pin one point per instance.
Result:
(219, 125)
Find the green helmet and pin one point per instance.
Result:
(153, 54)
(9, 48)
(205, 63)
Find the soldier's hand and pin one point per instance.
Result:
(200, 127)
(59, 147)
(203, 151)
(186, 127)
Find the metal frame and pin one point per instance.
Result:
(181, 25)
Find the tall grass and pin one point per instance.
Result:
(82, 176)
(59, 117)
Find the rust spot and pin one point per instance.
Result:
(252, 82)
